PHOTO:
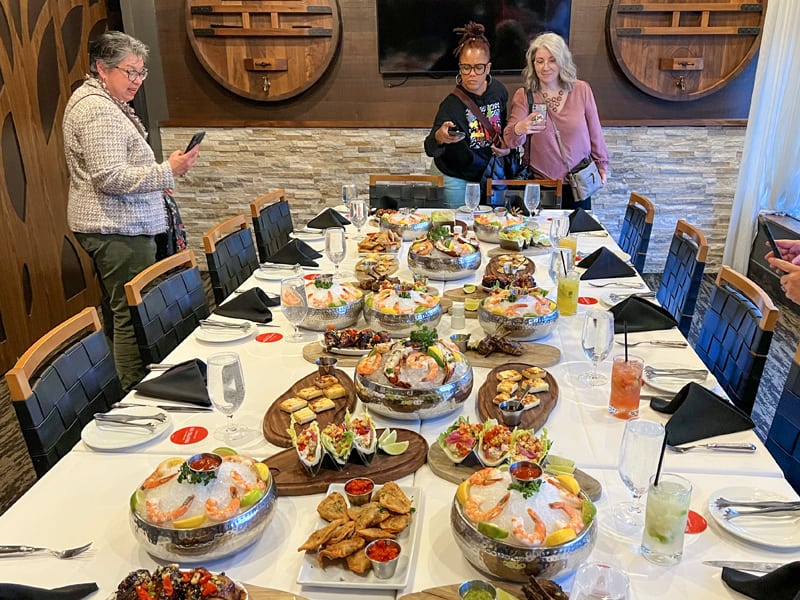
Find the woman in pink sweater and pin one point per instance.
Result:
(551, 77)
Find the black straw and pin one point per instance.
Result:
(625, 331)
(660, 460)
(563, 262)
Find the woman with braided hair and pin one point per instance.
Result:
(462, 142)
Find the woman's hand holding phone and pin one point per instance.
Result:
(449, 133)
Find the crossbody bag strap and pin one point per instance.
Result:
(560, 145)
(526, 146)
(485, 123)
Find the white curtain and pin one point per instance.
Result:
(769, 176)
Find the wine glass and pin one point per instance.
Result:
(294, 304)
(472, 197)
(642, 443)
(358, 215)
(599, 580)
(532, 198)
(597, 340)
(226, 391)
(559, 228)
(348, 193)
(335, 247)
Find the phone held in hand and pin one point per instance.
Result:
(540, 112)
(196, 139)
(456, 132)
(771, 239)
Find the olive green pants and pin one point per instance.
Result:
(117, 260)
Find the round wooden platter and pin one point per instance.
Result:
(260, 593)
(505, 591)
(529, 251)
(495, 265)
(314, 350)
(276, 422)
(533, 418)
(292, 479)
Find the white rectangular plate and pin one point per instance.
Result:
(336, 576)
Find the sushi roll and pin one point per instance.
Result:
(337, 442)
(365, 440)
(460, 439)
(309, 448)
(494, 445)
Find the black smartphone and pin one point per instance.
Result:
(771, 239)
(456, 132)
(196, 139)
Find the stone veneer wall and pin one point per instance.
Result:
(688, 173)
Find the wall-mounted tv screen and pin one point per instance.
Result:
(416, 36)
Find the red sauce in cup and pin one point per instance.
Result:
(359, 487)
(205, 462)
(383, 551)
(527, 472)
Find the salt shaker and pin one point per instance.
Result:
(457, 316)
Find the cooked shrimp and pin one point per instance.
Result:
(516, 310)
(428, 300)
(574, 516)
(241, 482)
(164, 473)
(369, 364)
(570, 498)
(486, 476)
(423, 247)
(157, 516)
(473, 511)
(423, 362)
(216, 513)
(534, 538)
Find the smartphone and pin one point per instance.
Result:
(771, 239)
(540, 110)
(196, 139)
(456, 132)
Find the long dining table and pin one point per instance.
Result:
(85, 497)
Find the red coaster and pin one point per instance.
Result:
(696, 523)
(189, 435)
(587, 300)
(310, 276)
(269, 337)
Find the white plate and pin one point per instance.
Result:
(308, 235)
(482, 208)
(122, 438)
(334, 576)
(775, 532)
(672, 385)
(346, 351)
(275, 274)
(219, 335)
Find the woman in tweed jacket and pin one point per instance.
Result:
(116, 206)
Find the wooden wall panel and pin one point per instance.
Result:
(353, 93)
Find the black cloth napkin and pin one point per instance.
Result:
(604, 264)
(328, 218)
(25, 592)
(580, 220)
(641, 315)
(185, 382)
(781, 584)
(295, 252)
(252, 305)
(698, 413)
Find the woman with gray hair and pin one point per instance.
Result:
(116, 205)
(550, 79)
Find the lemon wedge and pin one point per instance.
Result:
(263, 471)
(560, 536)
(570, 483)
(471, 304)
(395, 448)
(189, 522)
(462, 492)
(491, 530)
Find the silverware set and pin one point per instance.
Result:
(696, 374)
(720, 447)
(721, 503)
(619, 284)
(620, 297)
(166, 407)
(777, 511)
(126, 418)
(25, 550)
(662, 343)
(211, 324)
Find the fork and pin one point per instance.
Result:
(725, 503)
(160, 417)
(731, 513)
(108, 421)
(654, 372)
(224, 325)
(664, 343)
(633, 286)
(722, 447)
(620, 297)
(24, 550)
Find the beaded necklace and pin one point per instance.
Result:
(553, 102)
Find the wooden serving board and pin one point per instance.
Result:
(292, 480)
(533, 418)
(529, 251)
(449, 471)
(276, 422)
(459, 295)
(505, 591)
(314, 350)
(259, 593)
(494, 267)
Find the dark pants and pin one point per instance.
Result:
(117, 260)
(568, 201)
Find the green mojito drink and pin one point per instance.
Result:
(665, 519)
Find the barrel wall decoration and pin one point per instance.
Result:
(684, 50)
(264, 50)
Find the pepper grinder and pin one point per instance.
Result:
(457, 316)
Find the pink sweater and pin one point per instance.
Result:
(578, 123)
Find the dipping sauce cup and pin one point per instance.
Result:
(524, 471)
(512, 412)
(205, 462)
(359, 490)
(383, 554)
(477, 589)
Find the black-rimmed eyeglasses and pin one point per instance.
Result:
(133, 74)
(479, 69)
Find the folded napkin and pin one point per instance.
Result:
(781, 584)
(580, 220)
(68, 592)
(185, 382)
(295, 252)
(328, 218)
(604, 264)
(252, 305)
(640, 315)
(698, 413)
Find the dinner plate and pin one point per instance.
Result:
(482, 208)
(336, 576)
(671, 385)
(775, 532)
(121, 437)
(309, 235)
(270, 274)
(219, 335)
(346, 351)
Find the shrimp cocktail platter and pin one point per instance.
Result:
(444, 256)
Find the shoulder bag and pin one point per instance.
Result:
(584, 178)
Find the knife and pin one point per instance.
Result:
(167, 407)
(744, 565)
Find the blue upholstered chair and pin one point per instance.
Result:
(783, 439)
(272, 223)
(683, 274)
(167, 302)
(551, 191)
(231, 255)
(634, 237)
(736, 334)
(58, 385)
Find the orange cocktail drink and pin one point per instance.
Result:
(626, 384)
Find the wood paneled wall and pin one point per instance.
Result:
(354, 94)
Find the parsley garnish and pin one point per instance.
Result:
(404, 294)
(193, 476)
(439, 233)
(424, 337)
(526, 489)
(322, 283)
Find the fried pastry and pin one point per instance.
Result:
(310, 392)
(396, 523)
(335, 391)
(333, 507)
(344, 531)
(340, 549)
(392, 498)
(320, 536)
(359, 562)
(368, 515)
(292, 404)
(509, 374)
(375, 533)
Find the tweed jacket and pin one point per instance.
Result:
(115, 182)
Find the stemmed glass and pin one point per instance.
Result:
(472, 197)
(532, 198)
(559, 259)
(639, 452)
(294, 304)
(335, 247)
(358, 215)
(559, 228)
(348, 193)
(597, 340)
(226, 391)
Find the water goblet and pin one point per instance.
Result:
(348, 193)
(597, 340)
(639, 452)
(294, 304)
(532, 198)
(358, 215)
(335, 247)
(226, 391)
(597, 580)
(472, 197)
(559, 228)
